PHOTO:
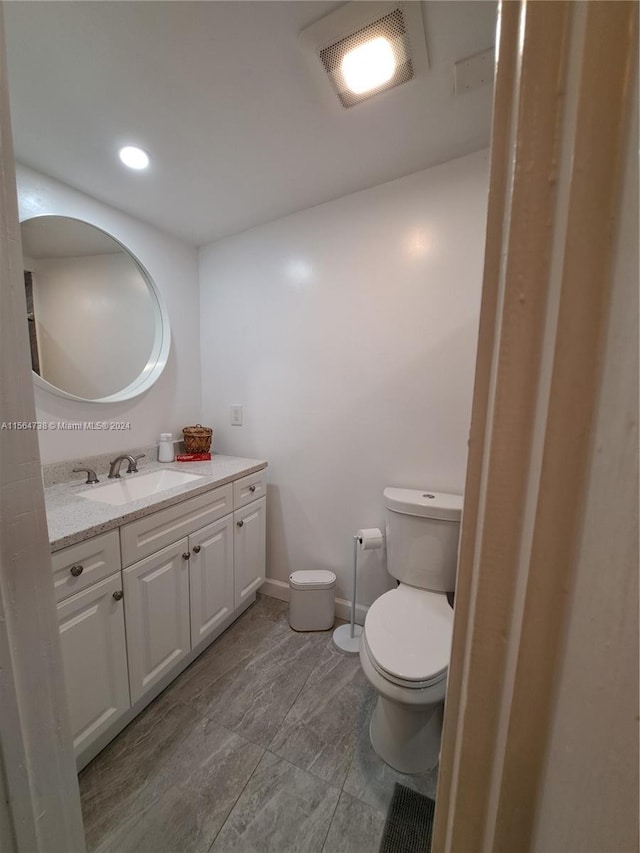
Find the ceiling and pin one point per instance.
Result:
(221, 96)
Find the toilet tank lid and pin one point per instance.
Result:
(424, 503)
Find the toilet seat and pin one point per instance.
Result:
(407, 634)
(436, 680)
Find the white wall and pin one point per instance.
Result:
(348, 333)
(174, 400)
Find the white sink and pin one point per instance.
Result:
(132, 487)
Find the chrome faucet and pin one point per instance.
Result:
(114, 470)
(91, 475)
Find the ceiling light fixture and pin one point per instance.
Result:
(134, 158)
(367, 47)
(368, 66)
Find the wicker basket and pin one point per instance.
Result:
(197, 439)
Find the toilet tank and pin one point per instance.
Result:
(422, 537)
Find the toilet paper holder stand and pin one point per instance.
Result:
(346, 638)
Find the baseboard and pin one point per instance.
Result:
(276, 589)
(343, 611)
(280, 589)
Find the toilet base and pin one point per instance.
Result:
(406, 738)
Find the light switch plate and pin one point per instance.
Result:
(236, 415)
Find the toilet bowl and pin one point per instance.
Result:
(406, 639)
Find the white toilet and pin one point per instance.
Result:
(406, 640)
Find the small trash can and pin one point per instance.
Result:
(311, 600)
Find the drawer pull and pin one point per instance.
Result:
(196, 549)
(186, 555)
(252, 488)
(76, 571)
(118, 595)
(240, 523)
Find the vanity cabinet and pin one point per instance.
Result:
(94, 655)
(139, 603)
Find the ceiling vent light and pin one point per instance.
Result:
(368, 47)
(368, 66)
(134, 158)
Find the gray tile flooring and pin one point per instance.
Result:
(261, 745)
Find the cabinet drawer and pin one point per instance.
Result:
(147, 535)
(79, 566)
(248, 489)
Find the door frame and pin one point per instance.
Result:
(40, 801)
(560, 135)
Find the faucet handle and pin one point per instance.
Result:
(91, 475)
(133, 465)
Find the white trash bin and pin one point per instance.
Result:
(312, 603)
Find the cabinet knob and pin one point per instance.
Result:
(118, 595)
(196, 549)
(252, 488)
(186, 555)
(240, 523)
(76, 571)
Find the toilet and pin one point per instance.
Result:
(406, 639)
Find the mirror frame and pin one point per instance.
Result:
(159, 355)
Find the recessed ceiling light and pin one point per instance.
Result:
(369, 65)
(134, 158)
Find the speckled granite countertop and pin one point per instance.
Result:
(71, 518)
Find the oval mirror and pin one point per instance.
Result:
(98, 329)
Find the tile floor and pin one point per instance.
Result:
(261, 745)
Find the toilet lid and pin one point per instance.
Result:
(408, 633)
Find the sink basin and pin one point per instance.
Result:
(132, 487)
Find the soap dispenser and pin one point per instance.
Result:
(165, 448)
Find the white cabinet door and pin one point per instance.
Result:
(94, 656)
(249, 549)
(156, 606)
(211, 577)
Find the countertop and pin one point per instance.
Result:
(71, 518)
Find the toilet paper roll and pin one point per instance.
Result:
(370, 538)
